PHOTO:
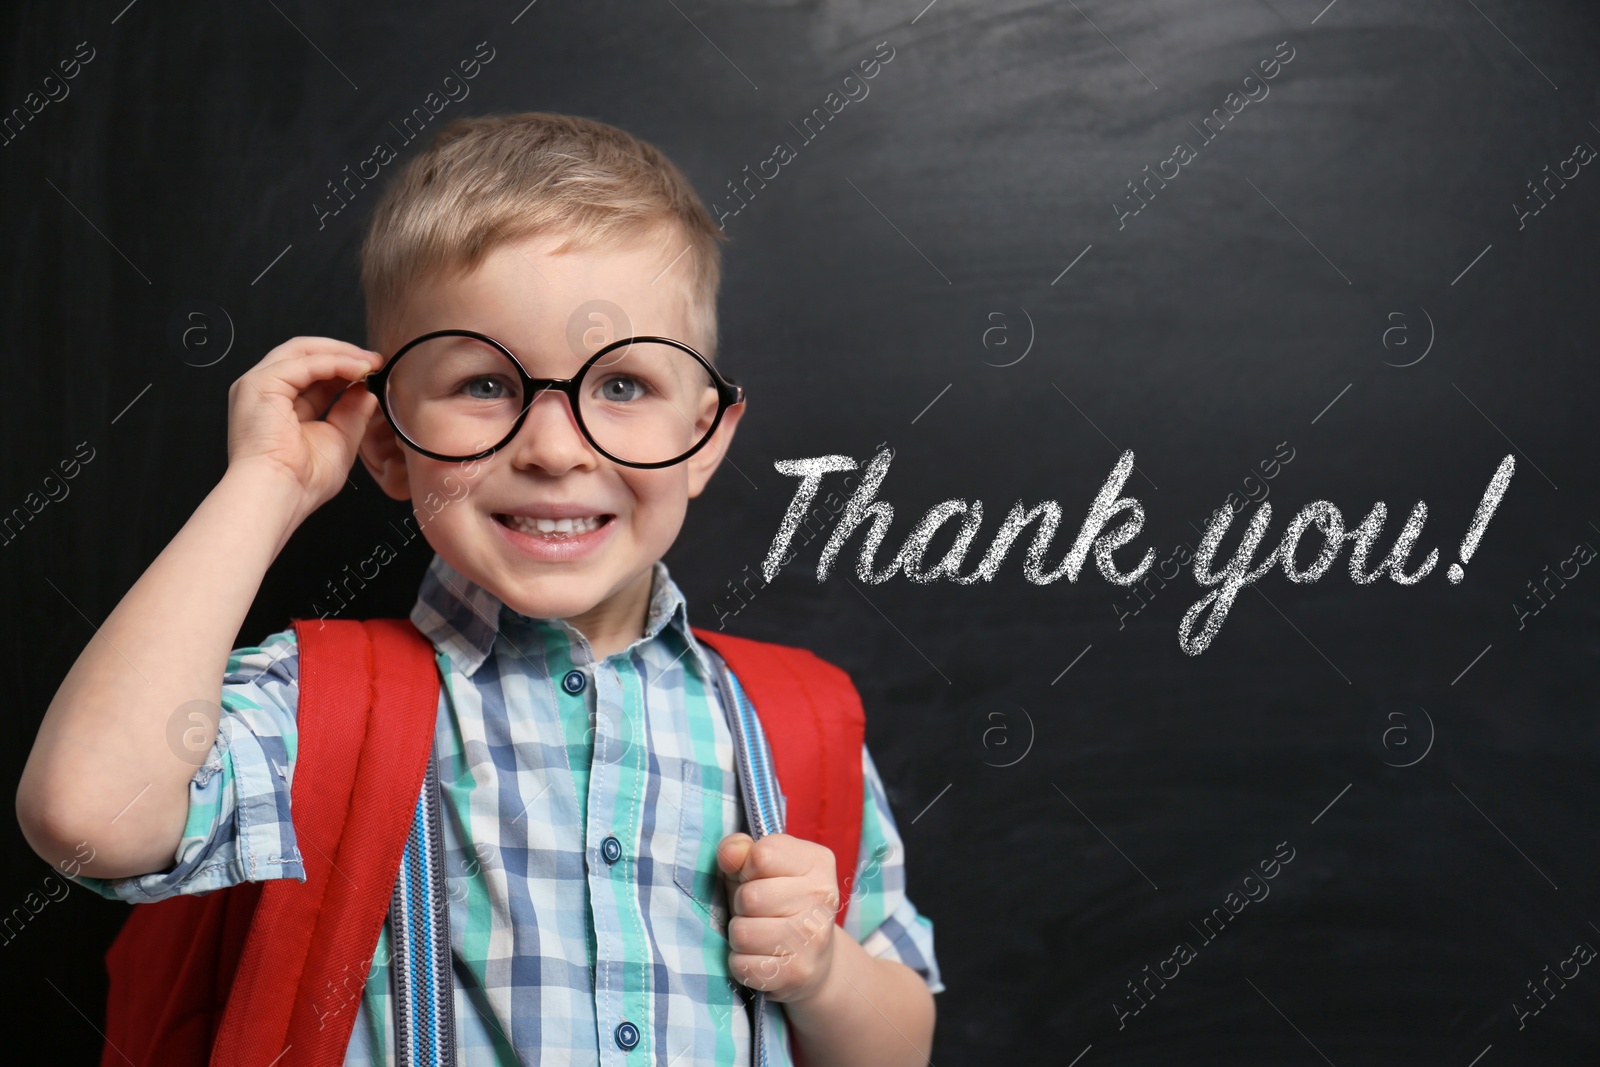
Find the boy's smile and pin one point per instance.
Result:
(548, 524)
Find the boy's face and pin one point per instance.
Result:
(526, 299)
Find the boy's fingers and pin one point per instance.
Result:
(784, 854)
(776, 896)
(753, 970)
(767, 936)
(302, 372)
(351, 413)
(732, 854)
(319, 397)
(298, 347)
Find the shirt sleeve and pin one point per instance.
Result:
(880, 915)
(239, 829)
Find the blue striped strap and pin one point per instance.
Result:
(758, 784)
(419, 930)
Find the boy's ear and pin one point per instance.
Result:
(704, 463)
(384, 457)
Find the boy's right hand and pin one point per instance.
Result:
(273, 411)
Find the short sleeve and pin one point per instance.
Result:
(880, 915)
(239, 829)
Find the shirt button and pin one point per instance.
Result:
(627, 1036)
(574, 681)
(611, 852)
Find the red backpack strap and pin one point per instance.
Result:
(368, 702)
(815, 726)
(169, 971)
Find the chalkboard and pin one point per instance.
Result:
(1279, 252)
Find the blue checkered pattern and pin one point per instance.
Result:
(579, 832)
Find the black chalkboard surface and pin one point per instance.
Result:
(1276, 252)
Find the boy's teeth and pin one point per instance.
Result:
(562, 527)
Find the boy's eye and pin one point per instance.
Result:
(484, 389)
(620, 389)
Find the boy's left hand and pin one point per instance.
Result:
(783, 895)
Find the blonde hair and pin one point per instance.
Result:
(489, 180)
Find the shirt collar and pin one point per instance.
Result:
(462, 618)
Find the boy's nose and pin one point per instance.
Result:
(550, 438)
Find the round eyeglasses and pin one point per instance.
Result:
(640, 401)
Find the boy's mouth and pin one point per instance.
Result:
(554, 529)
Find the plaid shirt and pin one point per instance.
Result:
(545, 755)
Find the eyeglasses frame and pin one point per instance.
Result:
(728, 395)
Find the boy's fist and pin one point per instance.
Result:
(274, 409)
(783, 894)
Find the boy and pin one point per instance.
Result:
(577, 723)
